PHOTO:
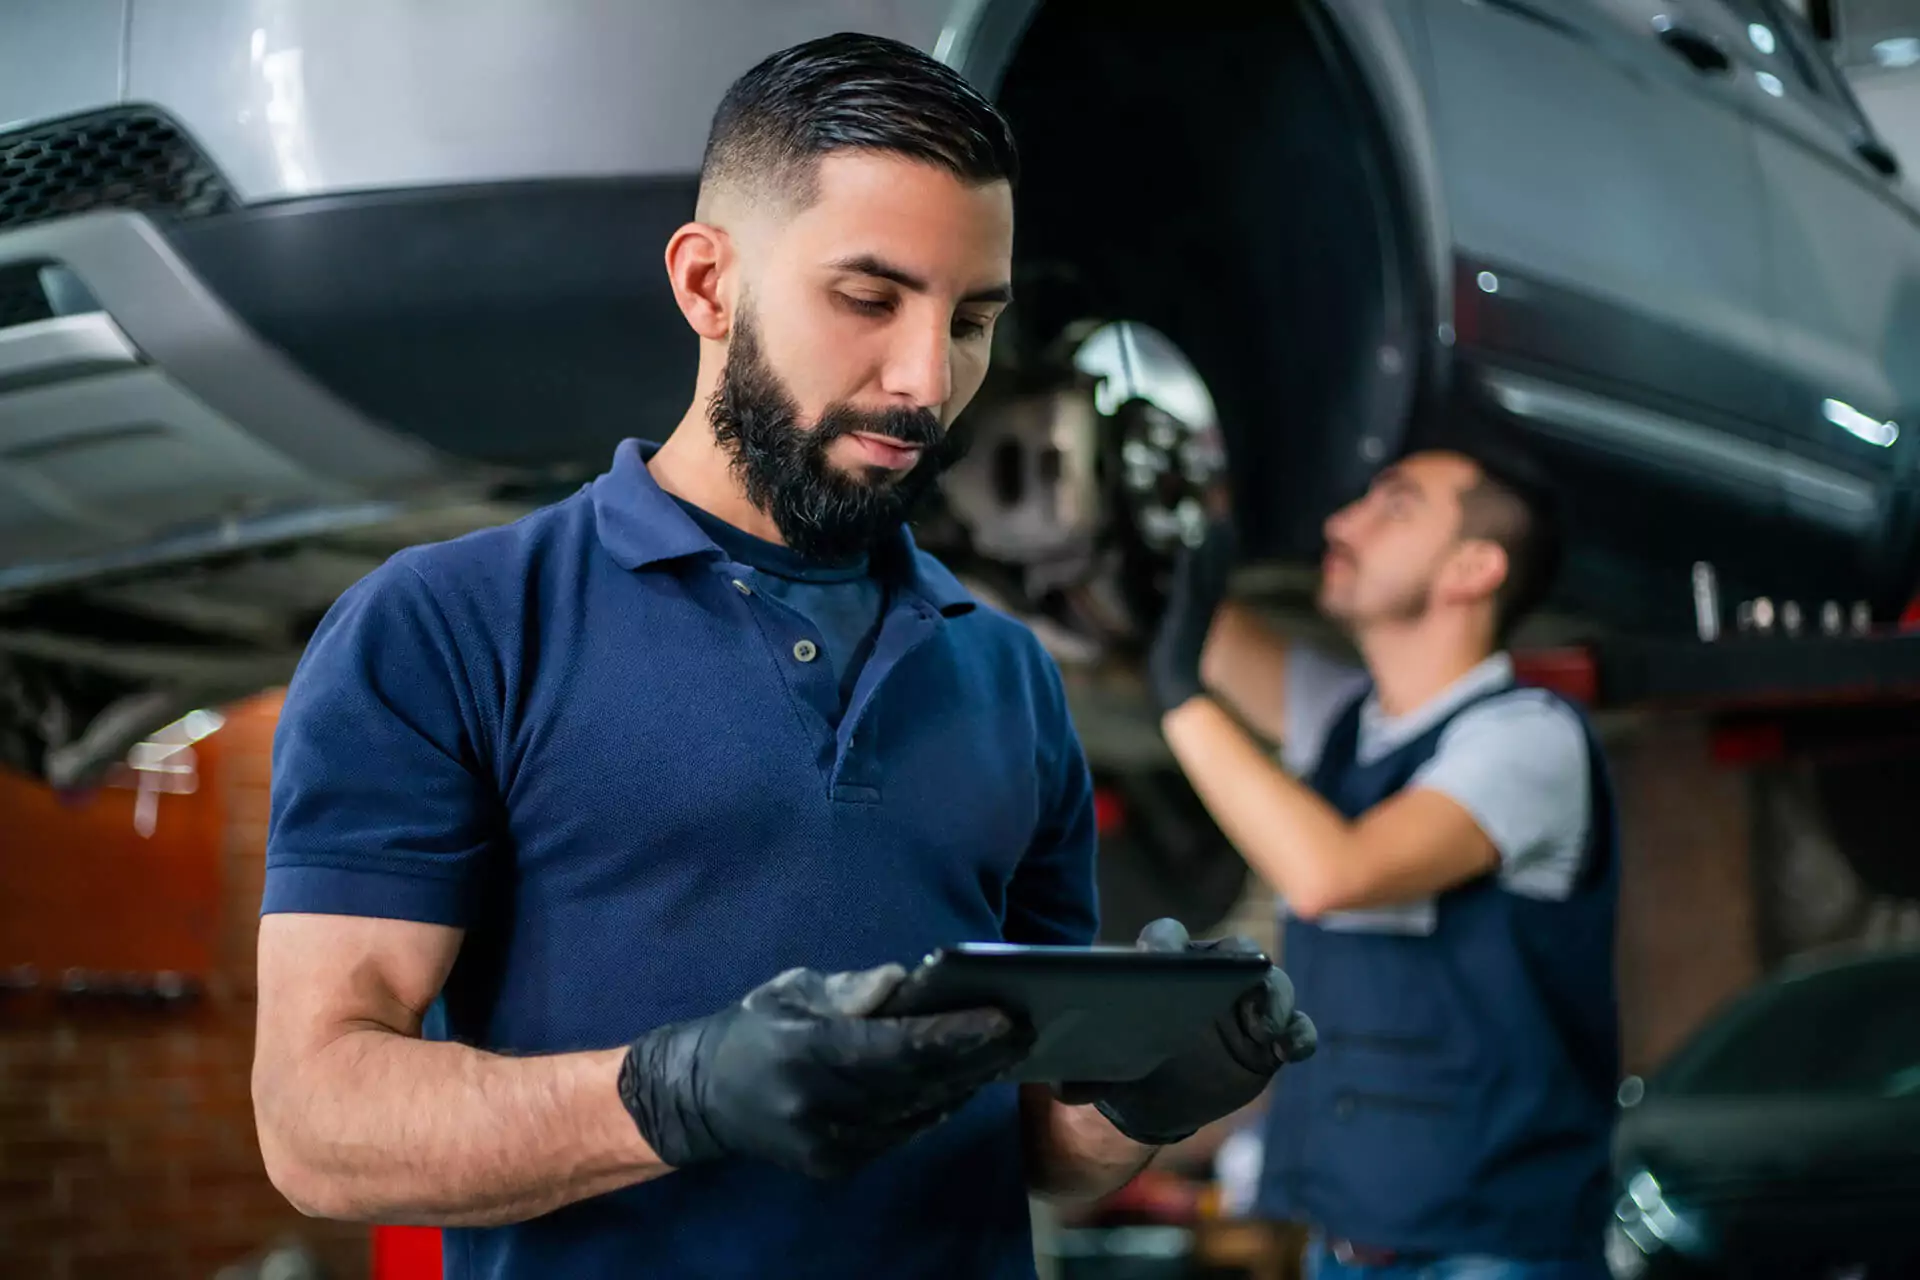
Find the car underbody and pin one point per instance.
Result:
(217, 412)
(1132, 394)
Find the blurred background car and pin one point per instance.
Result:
(1784, 1138)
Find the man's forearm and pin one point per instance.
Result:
(1294, 840)
(1075, 1152)
(379, 1126)
(1245, 664)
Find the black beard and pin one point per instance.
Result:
(822, 512)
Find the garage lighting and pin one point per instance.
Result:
(1856, 423)
(1899, 51)
(196, 725)
(1771, 83)
(164, 764)
(1651, 1222)
(1489, 282)
(1762, 36)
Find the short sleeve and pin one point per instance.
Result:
(380, 803)
(1318, 689)
(1053, 898)
(1519, 765)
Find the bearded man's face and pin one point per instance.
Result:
(825, 510)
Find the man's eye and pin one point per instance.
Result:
(868, 306)
(965, 328)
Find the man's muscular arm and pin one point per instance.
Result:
(1074, 1152)
(360, 1119)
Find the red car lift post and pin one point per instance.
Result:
(406, 1253)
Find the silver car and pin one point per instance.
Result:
(285, 286)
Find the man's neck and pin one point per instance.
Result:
(691, 467)
(1413, 665)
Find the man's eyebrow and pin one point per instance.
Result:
(992, 293)
(867, 264)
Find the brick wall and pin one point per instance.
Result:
(1688, 939)
(126, 1134)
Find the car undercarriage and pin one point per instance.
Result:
(1127, 405)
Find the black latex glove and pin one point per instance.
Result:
(799, 1075)
(1223, 1071)
(1199, 584)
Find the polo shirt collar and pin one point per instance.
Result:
(641, 525)
(901, 560)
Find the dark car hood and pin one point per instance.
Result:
(1717, 1149)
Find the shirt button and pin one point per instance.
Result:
(742, 587)
(806, 650)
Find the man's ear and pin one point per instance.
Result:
(1478, 567)
(700, 258)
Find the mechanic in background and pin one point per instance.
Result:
(1442, 842)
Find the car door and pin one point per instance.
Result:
(1843, 261)
(1606, 185)
(1606, 209)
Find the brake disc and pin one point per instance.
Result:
(1083, 483)
(1162, 443)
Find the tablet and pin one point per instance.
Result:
(1100, 1014)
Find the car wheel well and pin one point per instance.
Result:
(1258, 223)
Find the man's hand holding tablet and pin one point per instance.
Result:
(1216, 1073)
(1163, 1037)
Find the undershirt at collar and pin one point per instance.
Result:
(1382, 734)
(772, 557)
(842, 599)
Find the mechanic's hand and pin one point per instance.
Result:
(1199, 585)
(799, 1075)
(1222, 1072)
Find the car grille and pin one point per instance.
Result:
(125, 158)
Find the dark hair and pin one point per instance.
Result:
(1514, 506)
(852, 92)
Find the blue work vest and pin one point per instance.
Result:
(1463, 1094)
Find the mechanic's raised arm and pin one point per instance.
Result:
(1206, 643)
(361, 1119)
(1245, 664)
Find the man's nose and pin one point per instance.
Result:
(1348, 522)
(920, 367)
(1336, 523)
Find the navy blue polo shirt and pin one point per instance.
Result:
(588, 740)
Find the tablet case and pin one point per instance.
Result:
(1100, 1013)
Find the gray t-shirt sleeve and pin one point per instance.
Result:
(1318, 689)
(1519, 765)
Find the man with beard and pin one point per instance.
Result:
(1442, 843)
(649, 794)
